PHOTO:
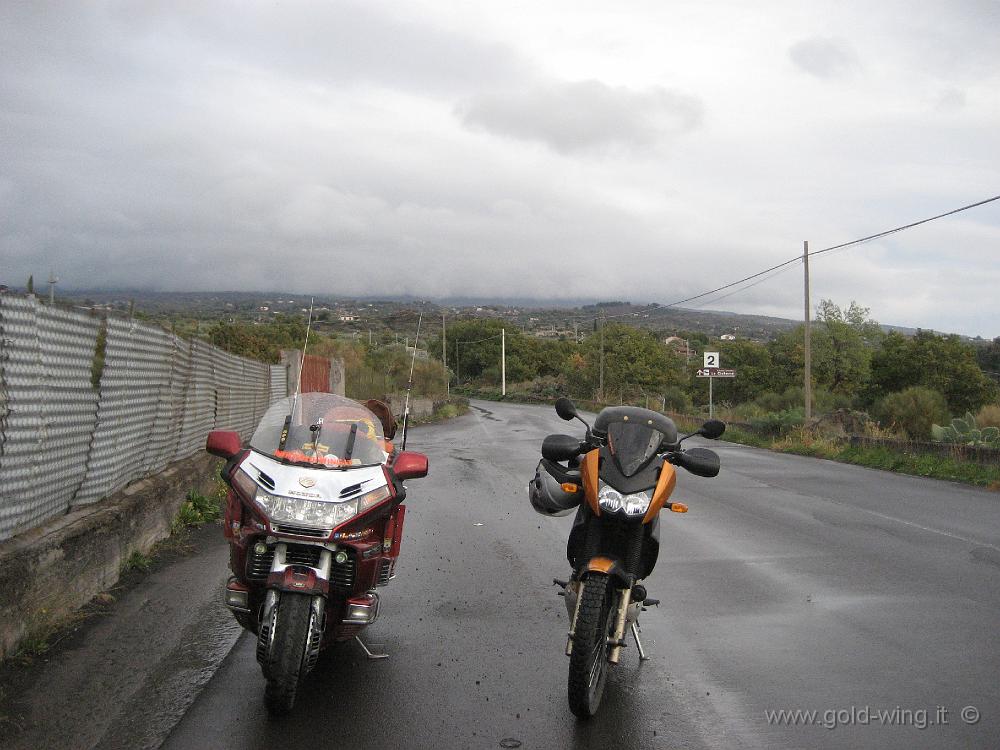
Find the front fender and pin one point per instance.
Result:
(606, 566)
(298, 579)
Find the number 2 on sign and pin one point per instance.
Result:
(711, 359)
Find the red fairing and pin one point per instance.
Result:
(397, 530)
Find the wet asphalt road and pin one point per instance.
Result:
(792, 584)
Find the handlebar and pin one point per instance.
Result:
(700, 461)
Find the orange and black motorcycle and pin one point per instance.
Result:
(618, 479)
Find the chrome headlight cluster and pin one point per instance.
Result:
(612, 501)
(322, 514)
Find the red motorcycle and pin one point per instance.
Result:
(314, 519)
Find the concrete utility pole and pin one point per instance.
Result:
(808, 344)
(444, 357)
(503, 361)
(52, 287)
(600, 388)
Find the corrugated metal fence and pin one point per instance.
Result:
(65, 442)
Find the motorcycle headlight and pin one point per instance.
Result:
(612, 501)
(321, 514)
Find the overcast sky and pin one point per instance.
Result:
(646, 151)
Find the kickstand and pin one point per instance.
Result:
(368, 653)
(638, 643)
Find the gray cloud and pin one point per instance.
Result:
(823, 57)
(584, 115)
(950, 100)
(317, 147)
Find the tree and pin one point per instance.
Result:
(31, 284)
(842, 347)
(943, 363)
(636, 364)
(755, 371)
(262, 342)
(988, 356)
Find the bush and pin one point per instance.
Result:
(823, 402)
(675, 399)
(989, 416)
(770, 402)
(779, 423)
(913, 411)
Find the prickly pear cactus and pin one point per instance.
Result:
(966, 432)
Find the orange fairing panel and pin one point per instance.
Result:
(664, 488)
(588, 472)
(600, 565)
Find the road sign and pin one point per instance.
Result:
(711, 360)
(715, 372)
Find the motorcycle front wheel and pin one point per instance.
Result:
(588, 663)
(287, 652)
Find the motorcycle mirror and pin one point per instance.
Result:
(410, 465)
(565, 408)
(223, 443)
(712, 429)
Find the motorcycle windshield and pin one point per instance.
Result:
(322, 430)
(633, 444)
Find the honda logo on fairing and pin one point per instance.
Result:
(307, 482)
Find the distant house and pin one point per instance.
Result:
(347, 318)
(679, 345)
(727, 337)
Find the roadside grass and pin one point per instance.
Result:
(923, 465)
(455, 407)
(137, 561)
(803, 443)
(199, 509)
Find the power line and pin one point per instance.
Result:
(843, 245)
(788, 262)
(905, 226)
(798, 258)
(479, 341)
(770, 276)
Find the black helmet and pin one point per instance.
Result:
(547, 495)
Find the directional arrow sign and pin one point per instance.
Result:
(715, 372)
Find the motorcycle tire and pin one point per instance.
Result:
(588, 663)
(287, 652)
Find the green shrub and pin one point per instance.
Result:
(913, 411)
(779, 423)
(675, 399)
(770, 402)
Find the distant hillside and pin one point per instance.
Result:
(366, 312)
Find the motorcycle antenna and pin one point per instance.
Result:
(298, 380)
(409, 384)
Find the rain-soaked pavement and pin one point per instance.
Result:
(793, 584)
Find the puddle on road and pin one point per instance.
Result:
(486, 413)
(171, 688)
(988, 555)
